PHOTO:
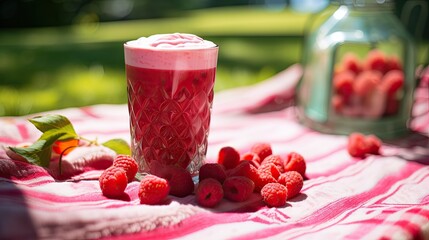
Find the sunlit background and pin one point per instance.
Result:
(69, 53)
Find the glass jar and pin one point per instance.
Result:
(358, 72)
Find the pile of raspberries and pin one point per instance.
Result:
(369, 88)
(235, 177)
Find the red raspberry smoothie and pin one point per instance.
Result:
(170, 81)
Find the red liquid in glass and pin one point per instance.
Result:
(169, 116)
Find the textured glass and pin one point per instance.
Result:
(169, 116)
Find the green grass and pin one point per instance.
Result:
(232, 21)
(44, 78)
(51, 68)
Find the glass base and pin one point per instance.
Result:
(386, 128)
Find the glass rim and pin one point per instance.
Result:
(170, 49)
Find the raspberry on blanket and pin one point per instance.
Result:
(113, 181)
(212, 170)
(209, 193)
(360, 145)
(262, 149)
(263, 179)
(293, 182)
(238, 188)
(179, 180)
(356, 145)
(274, 194)
(153, 190)
(270, 169)
(252, 157)
(373, 144)
(128, 164)
(276, 160)
(295, 162)
(228, 157)
(245, 169)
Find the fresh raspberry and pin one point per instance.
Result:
(392, 81)
(209, 193)
(113, 181)
(212, 170)
(276, 160)
(128, 164)
(376, 60)
(360, 145)
(373, 144)
(270, 169)
(274, 194)
(392, 106)
(293, 182)
(356, 145)
(373, 105)
(228, 157)
(263, 179)
(394, 63)
(343, 83)
(295, 162)
(337, 102)
(179, 180)
(238, 188)
(262, 149)
(245, 169)
(366, 82)
(252, 157)
(153, 190)
(351, 63)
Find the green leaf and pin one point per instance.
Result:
(118, 145)
(53, 127)
(39, 152)
(55, 123)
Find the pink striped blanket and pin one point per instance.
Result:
(380, 197)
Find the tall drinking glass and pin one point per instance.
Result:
(170, 79)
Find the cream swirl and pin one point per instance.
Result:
(176, 51)
(172, 41)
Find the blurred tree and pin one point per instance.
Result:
(42, 13)
(415, 16)
(33, 13)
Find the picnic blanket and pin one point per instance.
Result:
(380, 197)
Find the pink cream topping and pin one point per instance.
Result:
(175, 51)
(174, 40)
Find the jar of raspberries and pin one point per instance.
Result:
(359, 68)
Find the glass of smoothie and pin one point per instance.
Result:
(170, 79)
